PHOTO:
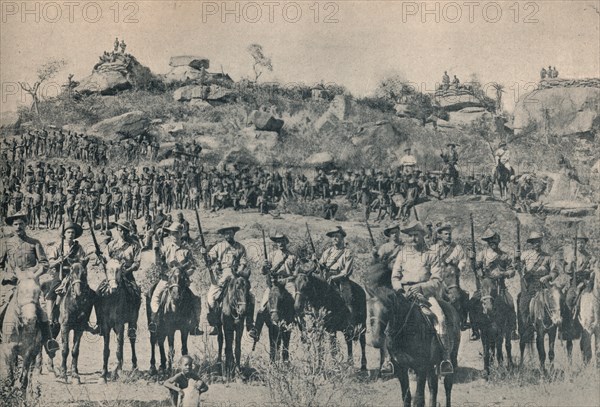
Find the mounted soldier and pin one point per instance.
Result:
(23, 258)
(495, 264)
(537, 270)
(226, 259)
(502, 156)
(279, 268)
(417, 273)
(450, 157)
(336, 265)
(452, 259)
(173, 253)
(408, 162)
(62, 259)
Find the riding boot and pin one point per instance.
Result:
(213, 320)
(250, 315)
(50, 344)
(258, 325)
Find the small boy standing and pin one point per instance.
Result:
(180, 381)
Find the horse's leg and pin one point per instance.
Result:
(499, 352)
(420, 393)
(220, 339)
(432, 381)
(448, 382)
(229, 362)
(273, 339)
(132, 335)
(508, 347)
(551, 341)
(184, 338)
(349, 347)
(171, 341)
(570, 348)
(106, 354)
(65, 352)
(239, 331)
(163, 356)
(363, 351)
(585, 344)
(120, 331)
(77, 334)
(539, 342)
(285, 351)
(404, 384)
(486, 351)
(152, 353)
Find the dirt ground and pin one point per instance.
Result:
(566, 385)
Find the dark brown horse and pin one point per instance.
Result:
(236, 296)
(455, 295)
(316, 292)
(398, 324)
(75, 309)
(494, 318)
(545, 314)
(114, 309)
(279, 319)
(502, 177)
(175, 313)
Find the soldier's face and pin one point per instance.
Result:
(446, 236)
(281, 245)
(338, 240)
(19, 227)
(69, 235)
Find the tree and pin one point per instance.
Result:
(261, 62)
(393, 88)
(499, 91)
(44, 73)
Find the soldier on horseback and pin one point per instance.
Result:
(495, 264)
(173, 253)
(23, 257)
(451, 258)
(227, 259)
(336, 263)
(502, 157)
(417, 273)
(280, 267)
(62, 259)
(537, 269)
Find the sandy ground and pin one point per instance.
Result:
(568, 384)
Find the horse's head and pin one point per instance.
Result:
(28, 294)
(450, 279)
(235, 303)
(77, 279)
(378, 316)
(552, 302)
(487, 296)
(113, 274)
(302, 282)
(176, 283)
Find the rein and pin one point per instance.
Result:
(412, 304)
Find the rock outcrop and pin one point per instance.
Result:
(121, 127)
(212, 93)
(561, 107)
(191, 61)
(338, 111)
(456, 99)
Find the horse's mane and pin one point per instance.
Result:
(233, 295)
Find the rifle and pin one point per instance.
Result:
(96, 245)
(574, 268)
(213, 279)
(312, 246)
(370, 233)
(473, 261)
(518, 257)
(62, 252)
(264, 245)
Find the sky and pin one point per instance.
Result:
(355, 44)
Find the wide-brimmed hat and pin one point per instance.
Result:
(125, 225)
(279, 237)
(502, 144)
(227, 229)
(490, 235)
(413, 227)
(337, 231)
(534, 236)
(17, 215)
(443, 226)
(77, 228)
(391, 228)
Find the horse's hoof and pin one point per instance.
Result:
(153, 371)
(77, 379)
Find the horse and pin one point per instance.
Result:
(494, 318)
(502, 177)
(397, 323)
(456, 296)
(451, 170)
(230, 327)
(545, 314)
(75, 309)
(174, 314)
(589, 318)
(21, 336)
(279, 318)
(114, 309)
(316, 292)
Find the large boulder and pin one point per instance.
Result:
(104, 83)
(182, 74)
(321, 159)
(121, 127)
(187, 93)
(466, 116)
(255, 139)
(265, 121)
(189, 60)
(560, 110)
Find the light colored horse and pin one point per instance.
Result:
(21, 336)
(589, 317)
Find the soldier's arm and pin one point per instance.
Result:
(348, 262)
(42, 260)
(432, 287)
(461, 257)
(397, 273)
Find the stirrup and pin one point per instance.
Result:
(446, 367)
(253, 333)
(214, 331)
(51, 347)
